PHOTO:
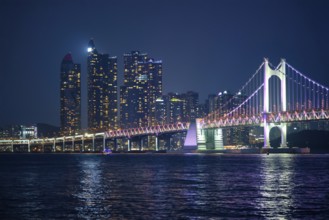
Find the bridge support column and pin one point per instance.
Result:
(218, 139)
(28, 146)
(141, 143)
(129, 144)
(266, 135)
(83, 144)
(156, 143)
(200, 135)
(104, 143)
(54, 145)
(283, 129)
(63, 144)
(93, 143)
(170, 143)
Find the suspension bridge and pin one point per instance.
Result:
(273, 97)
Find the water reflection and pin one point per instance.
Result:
(178, 186)
(28, 186)
(276, 186)
(164, 187)
(91, 192)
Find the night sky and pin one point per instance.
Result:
(206, 45)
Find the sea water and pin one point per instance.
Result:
(164, 186)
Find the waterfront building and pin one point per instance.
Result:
(4, 133)
(142, 87)
(19, 132)
(202, 110)
(102, 90)
(226, 101)
(192, 103)
(70, 96)
(152, 69)
(28, 132)
(162, 109)
(176, 108)
(212, 103)
(10, 131)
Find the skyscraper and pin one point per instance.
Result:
(192, 103)
(142, 86)
(177, 106)
(70, 95)
(162, 109)
(234, 135)
(102, 90)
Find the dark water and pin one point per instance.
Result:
(162, 186)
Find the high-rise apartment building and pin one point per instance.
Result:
(70, 96)
(142, 86)
(192, 103)
(226, 102)
(153, 70)
(102, 90)
(175, 107)
(162, 110)
(212, 103)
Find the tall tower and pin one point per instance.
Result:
(70, 95)
(280, 72)
(150, 78)
(129, 92)
(142, 86)
(102, 90)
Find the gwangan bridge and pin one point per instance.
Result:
(273, 97)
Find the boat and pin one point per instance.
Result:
(107, 152)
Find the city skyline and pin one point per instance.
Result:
(202, 44)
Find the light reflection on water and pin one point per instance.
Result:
(276, 186)
(164, 186)
(92, 192)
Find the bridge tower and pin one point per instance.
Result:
(280, 72)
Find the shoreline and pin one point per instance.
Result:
(294, 150)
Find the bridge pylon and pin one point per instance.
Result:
(200, 135)
(208, 139)
(280, 72)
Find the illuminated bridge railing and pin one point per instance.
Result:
(273, 117)
(152, 130)
(298, 116)
(242, 120)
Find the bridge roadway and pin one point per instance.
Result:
(92, 137)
